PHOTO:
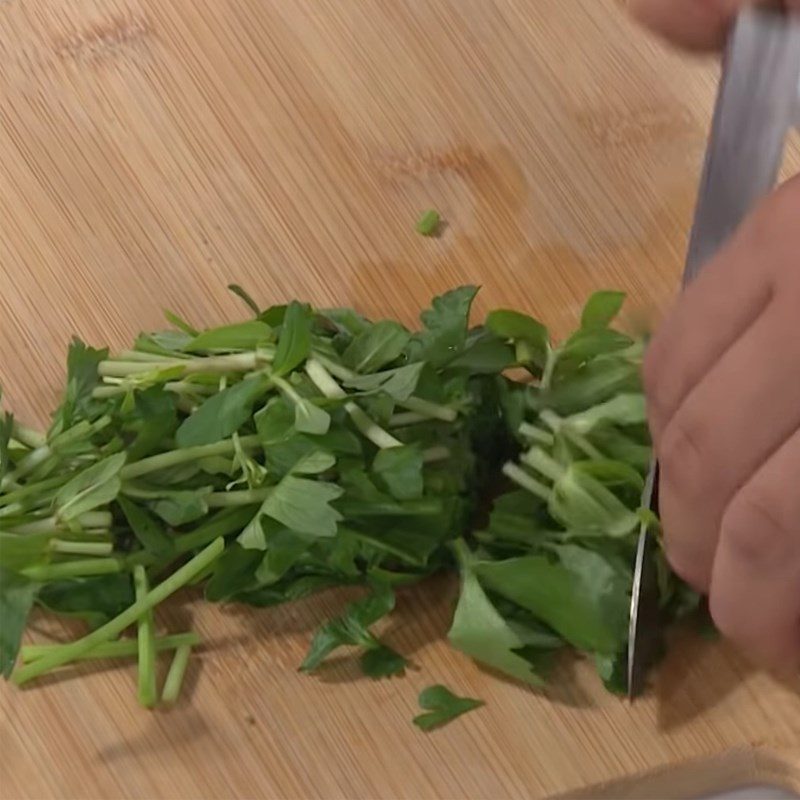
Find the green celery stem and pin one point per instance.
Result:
(539, 460)
(91, 520)
(230, 520)
(46, 485)
(174, 457)
(27, 465)
(369, 428)
(437, 453)
(244, 497)
(321, 378)
(429, 409)
(177, 670)
(535, 434)
(66, 547)
(75, 568)
(114, 627)
(146, 640)
(236, 362)
(28, 436)
(122, 648)
(405, 419)
(526, 481)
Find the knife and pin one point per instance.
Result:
(757, 103)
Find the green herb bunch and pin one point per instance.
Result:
(304, 449)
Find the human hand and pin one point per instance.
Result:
(722, 377)
(693, 24)
(723, 384)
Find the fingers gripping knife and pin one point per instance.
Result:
(757, 104)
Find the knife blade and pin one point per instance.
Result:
(757, 103)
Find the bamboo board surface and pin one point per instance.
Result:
(153, 151)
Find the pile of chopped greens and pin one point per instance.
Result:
(553, 566)
(305, 449)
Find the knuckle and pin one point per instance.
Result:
(694, 570)
(682, 456)
(756, 528)
(726, 617)
(690, 554)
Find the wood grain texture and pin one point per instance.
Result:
(152, 151)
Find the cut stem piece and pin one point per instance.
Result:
(369, 428)
(526, 481)
(542, 462)
(146, 639)
(177, 670)
(67, 547)
(428, 409)
(405, 418)
(78, 568)
(122, 648)
(28, 464)
(90, 521)
(236, 362)
(170, 459)
(536, 434)
(28, 436)
(114, 627)
(322, 379)
(563, 427)
(436, 453)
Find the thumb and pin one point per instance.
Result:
(693, 24)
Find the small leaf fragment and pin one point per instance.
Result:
(222, 414)
(428, 223)
(91, 488)
(442, 706)
(310, 418)
(377, 346)
(182, 506)
(17, 594)
(521, 329)
(180, 323)
(400, 468)
(352, 628)
(601, 308)
(445, 326)
(245, 297)
(399, 383)
(382, 662)
(301, 505)
(294, 342)
(240, 336)
(148, 530)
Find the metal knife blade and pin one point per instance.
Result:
(757, 104)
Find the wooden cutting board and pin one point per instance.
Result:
(153, 151)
